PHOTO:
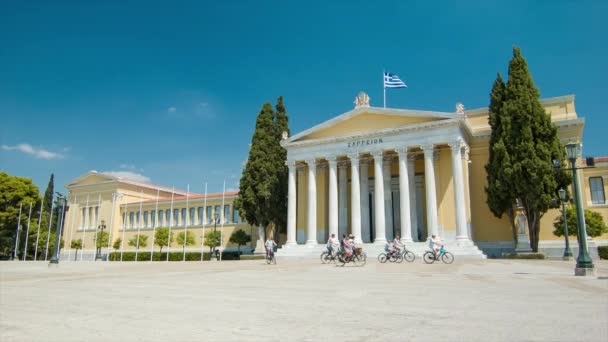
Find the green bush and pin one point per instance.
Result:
(253, 257)
(173, 256)
(603, 252)
(536, 256)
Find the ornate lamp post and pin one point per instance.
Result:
(55, 258)
(214, 227)
(584, 264)
(567, 251)
(98, 240)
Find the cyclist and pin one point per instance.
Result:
(332, 244)
(349, 246)
(270, 244)
(435, 244)
(397, 244)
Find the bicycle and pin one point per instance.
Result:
(390, 256)
(430, 257)
(328, 257)
(357, 258)
(270, 259)
(408, 255)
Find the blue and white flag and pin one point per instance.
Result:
(393, 81)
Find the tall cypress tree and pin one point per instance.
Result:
(48, 195)
(499, 170)
(279, 214)
(531, 145)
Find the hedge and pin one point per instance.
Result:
(524, 256)
(603, 252)
(173, 256)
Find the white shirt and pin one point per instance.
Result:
(333, 242)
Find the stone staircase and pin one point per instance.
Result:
(469, 250)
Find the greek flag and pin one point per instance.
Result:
(393, 81)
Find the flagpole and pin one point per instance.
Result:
(124, 228)
(204, 219)
(186, 218)
(111, 227)
(384, 87)
(48, 234)
(222, 223)
(139, 222)
(38, 232)
(97, 237)
(17, 239)
(154, 225)
(84, 227)
(27, 232)
(170, 223)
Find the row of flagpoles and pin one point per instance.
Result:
(115, 197)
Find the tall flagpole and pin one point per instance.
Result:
(154, 225)
(48, 234)
(97, 237)
(38, 233)
(139, 221)
(27, 232)
(186, 217)
(84, 227)
(170, 223)
(222, 223)
(74, 217)
(18, 229)
(124, 228)
(111, 227)
(204, 219)
(384, 86)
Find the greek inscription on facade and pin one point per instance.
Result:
(366, 142)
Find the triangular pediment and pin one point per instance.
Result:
(91, 178)
(365, 120)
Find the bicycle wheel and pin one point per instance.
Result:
(409, 256)
(324, 257)
(268, 259)
(341, 258)
(447, 258)
(363, 258)
(382, 258)
(428, 257)
(399, 258)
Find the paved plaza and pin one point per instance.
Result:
(302, 300)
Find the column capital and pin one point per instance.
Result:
(332, 160)
(428, 148)
(290, 163)
(312, 162)
(354, 157)
(456, 144)
(402, 151)
(377, 154)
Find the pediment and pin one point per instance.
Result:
(91, 178)
(369, 120)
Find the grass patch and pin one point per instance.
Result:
(253, 257)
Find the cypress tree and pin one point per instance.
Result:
(48, 195)
(279, 214)
(531, 146)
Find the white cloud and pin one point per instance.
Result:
(171, 110)
(129, 175)
(39, 153)
(127, 166)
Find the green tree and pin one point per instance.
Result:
(185, 239)
(42, 251)
(14, 191)
(76, 244)
(594, 223)
(143, 241)
(212, 239)
(162, 238)
(48, 195)
(240, 238)
(117, 244)
(101, 239)
(526, 142)
(279, 198)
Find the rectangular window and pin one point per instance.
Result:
(96, 215)
(138, 221)
(90, 217)
(168, 217)
(226, 213)
(217, 211)
(184, 220)
(191, 218)
(160, 218)
(153, 218)
(209, 215)
(200, 215)
(175, 217)
(131, 218)
(84, 217)
(145, 219)
(124, 221)
(235, 216)
(596, 184)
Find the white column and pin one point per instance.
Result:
(380, 227)
(333, 196)
(364, 175)
(431, 192)
(291, 204)
(355, 199)
(404, 196)
(388, 199)
(411, 173)
(462, 235)
(342, 197)
(312, 202)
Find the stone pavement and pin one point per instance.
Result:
(302, 300)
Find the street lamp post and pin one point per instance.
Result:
(214, 228)
(584, 264)
(567, 251)
(55, 258)
(99, 240)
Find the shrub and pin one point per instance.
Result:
(537, 256)
(603, 252)
(173, 256)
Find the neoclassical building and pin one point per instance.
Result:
(378, 173)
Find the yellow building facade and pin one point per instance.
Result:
(379, 173)
(126, 208)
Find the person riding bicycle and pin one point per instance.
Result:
(397, 245)
(435, 244)
(349, 246)
(270, 244)
(332, 244)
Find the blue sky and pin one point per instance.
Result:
(170, 90)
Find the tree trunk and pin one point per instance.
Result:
(76, 255)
